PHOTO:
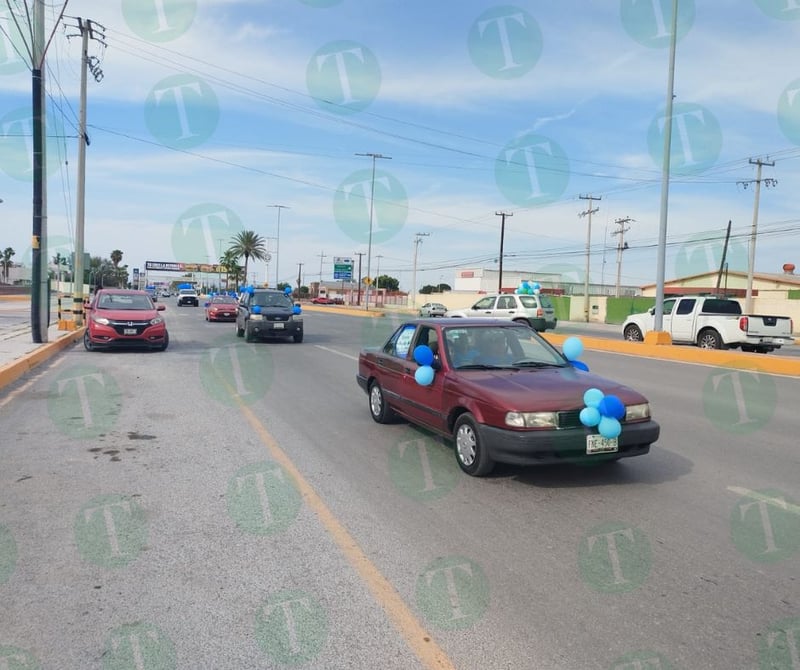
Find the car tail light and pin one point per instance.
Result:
(743, 324)
(539, 312)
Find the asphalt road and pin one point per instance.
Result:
(225, 505)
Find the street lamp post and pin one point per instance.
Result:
(371, 207)
(277, 244)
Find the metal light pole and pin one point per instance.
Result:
(371, 208)
(588, 213)
(277, 244)
(662, 224)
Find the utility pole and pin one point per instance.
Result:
(278, 244)
(321, 256)
(417, 241)
(299, 277)
(378, 273)
(371, 208)
(87, 29)
(503, 216)
(588, 213)
(358, 281)
(751, 260)
(621, 246)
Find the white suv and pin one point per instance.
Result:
(535, 310)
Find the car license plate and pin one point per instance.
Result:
(597, 444)
(129, 331)
(277, 326)
(226, 314)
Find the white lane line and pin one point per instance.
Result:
(755, 495)
(338, 353)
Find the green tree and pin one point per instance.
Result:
(250, 245)
(5, 259)
(116, 257)
(387, 282)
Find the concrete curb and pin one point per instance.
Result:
(349, 311)
(11, 372)
(688, 354)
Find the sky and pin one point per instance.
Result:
(397, 130)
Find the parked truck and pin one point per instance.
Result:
(713, 323)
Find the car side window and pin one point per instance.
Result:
(485, 303)
(668, 305)
(400, 342)
(429, 337)
(506, 302)
(686, 306)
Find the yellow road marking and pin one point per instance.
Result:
(419, 640)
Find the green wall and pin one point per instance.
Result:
(561, 305)
(619, 309)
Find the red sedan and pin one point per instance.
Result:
(502, 394)
(222, 308)
(323, 300)
(122, 318)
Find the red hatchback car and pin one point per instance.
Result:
(501, 393)
(222, 308)
(123, 318)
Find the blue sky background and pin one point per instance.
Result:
(210, 111)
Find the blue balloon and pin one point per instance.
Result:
(526, 284)
(296, 309)
(536, 286)
(517, 291)
(609, 428)
(256, 309)
(287, 290)
(590, 416)
(423, 354)
(592, 397)
(612, 407)
(580, 365)
(572, 348)
(424, 375)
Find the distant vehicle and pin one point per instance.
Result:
(501, 393)
(535, 310)
(713, 323)
(222, 308)
(188, 296)
(165, 293)
(323, 300)
(265, 313)
(432, 309)
(123, 318)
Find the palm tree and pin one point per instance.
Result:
(232, 268)
(5, 260)
(116, 258)
(250, 245)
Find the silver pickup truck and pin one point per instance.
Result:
(713, 323)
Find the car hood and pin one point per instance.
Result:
(545, 389)
(126, 314)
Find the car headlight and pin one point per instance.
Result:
(532, 419)
(637, 412)
(156, 321)
(101, 320)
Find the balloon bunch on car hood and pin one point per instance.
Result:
(528, 288)
(603, 411)
(423, 355)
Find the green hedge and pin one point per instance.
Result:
(619, 309)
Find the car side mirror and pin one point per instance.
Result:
(652, 310)
(160, 307)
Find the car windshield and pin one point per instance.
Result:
(188, 291)
(224, 299)
(270, 300)
(122, 301)
(497, 347)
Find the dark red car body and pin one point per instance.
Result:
(322, 300)
(123, 318)
(476, 400)
(222, 308)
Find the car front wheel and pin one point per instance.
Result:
(471, 454)
(239, 331)
(632, 334)
(378, 409)
(87, 342)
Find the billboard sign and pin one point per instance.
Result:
(342, 268)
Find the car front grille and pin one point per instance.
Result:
(121, 326)
(570, 419)
(276, 317)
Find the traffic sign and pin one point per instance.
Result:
(342, 268)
